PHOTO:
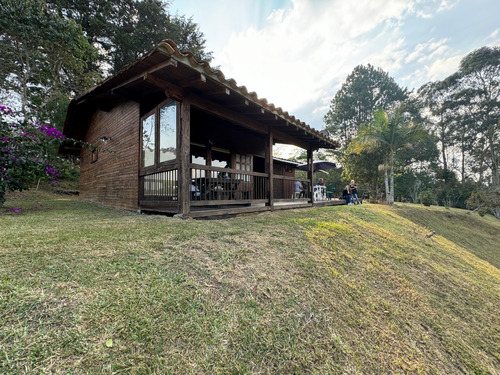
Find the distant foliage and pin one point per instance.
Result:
(427, 198)
(485, 201)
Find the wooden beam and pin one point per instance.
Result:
(169, 62)
(310, 174)
(171, 91)
(269, 161)
(200, 78)
(184, 177)
(221, 91)
(138, 78)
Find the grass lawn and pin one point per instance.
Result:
(334, 290)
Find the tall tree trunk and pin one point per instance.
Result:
(443, 144)
(495, 178)
(462, 172)
(386, 181)
(391, 187)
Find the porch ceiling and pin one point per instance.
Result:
(178, 74)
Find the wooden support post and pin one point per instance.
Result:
(270, 169)
(184, 173)
(310, 173)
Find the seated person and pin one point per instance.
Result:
(224, 175)
(298, 188)
(346, 194)
(321, 182)
(195, 192)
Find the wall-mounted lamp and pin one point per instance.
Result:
(105, 139)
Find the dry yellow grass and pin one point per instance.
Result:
(340, 290)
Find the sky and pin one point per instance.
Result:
(298, 53)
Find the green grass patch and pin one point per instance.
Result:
(351, 289)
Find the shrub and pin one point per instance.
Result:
(427, 198)
(28, 153)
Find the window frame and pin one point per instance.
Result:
(94, 155)
(157, 164)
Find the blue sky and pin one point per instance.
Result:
(297, 53)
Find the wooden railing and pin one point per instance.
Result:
(217, 186)
(226, 186)
(159, 185)
(284, 187)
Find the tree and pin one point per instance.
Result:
(123, 30)
(465, 111)
(362, 165)
(44, 57)
(479, 101)
(438, 97)
(365, 90)
(486, 200)
(389, 133)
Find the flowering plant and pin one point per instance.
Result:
(28, 152)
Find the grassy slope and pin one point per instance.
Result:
(356, 290)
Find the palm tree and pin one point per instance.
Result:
(390, 133)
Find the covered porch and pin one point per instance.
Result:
(229, 169)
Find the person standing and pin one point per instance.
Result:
(354, 192)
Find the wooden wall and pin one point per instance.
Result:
(113, 178)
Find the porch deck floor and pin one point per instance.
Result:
(199, 212)
(233, 210)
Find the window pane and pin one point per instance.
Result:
(148, 141)
(168, 125)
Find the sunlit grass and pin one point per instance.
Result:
(352, 289)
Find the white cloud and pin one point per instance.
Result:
(428, 51)
(447, 5)
(440, 68)
(494, 38)
(298, 55)
(305, 51)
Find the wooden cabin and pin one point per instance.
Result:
(172, 135)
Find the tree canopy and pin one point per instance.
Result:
(123, 30)
(44, 57)
(365, 90)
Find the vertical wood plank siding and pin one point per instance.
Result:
(113, 178)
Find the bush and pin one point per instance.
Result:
(427, 198)
(28, 153)
(486, 200)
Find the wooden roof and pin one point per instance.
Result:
(166, 68)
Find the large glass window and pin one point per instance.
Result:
(168, 124)
(148, 141)
(159, 135)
